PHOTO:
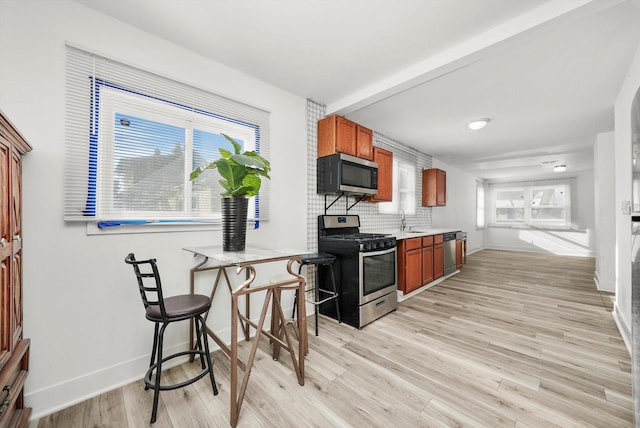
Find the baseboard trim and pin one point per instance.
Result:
(623, 328)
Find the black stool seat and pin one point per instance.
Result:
(178, 308)
(318, 259)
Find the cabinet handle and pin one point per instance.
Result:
(3, 242)
(17, 238)
(7, 399)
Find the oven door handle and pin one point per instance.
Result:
(378, 253)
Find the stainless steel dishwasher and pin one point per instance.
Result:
(449, 252)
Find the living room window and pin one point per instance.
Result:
(134, 137)
(536, 204)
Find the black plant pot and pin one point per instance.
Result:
(234, 223)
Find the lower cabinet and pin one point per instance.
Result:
(420, 261)
(438, 256)
(410, 265)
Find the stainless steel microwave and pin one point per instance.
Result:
(344, 174)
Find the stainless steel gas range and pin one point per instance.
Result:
(365, 269)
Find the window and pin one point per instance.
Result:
(133, 138)
(534, 204)
(404, 190)
(480, 205)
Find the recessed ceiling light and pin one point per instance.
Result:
(559, 168)
(478, 124)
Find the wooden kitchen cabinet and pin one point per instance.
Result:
(337, 134)
(427, 259)
(384, 159)
(438, 256)
(416, 263)
(434, 187)
(14, 349)
(409, 264)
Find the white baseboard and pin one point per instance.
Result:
(624, 329)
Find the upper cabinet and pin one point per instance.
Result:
(339, 135)
(384, 159)
(434, 187)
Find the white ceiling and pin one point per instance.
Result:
(545, 72)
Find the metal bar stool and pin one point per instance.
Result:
(163, 311)
(321, 260)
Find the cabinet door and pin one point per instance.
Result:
(438, 261)
(364, 143)
(427, 265)
(345, 136)
(413, 270)
(458, 253)
(384, 159)
(434, 187)
(5, 254)
(441, 188)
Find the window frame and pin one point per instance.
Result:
(481, 214)
(115, 100)
(527, 189)
(88, 73)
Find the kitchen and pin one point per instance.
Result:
(62, 371)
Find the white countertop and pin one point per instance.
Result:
(407, 234)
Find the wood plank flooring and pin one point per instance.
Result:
(513, 340)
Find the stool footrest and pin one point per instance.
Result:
(319, 302)
(149, 384)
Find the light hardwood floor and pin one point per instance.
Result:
(513, 340)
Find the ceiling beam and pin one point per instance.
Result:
(524, 27)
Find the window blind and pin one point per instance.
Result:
(129, 130)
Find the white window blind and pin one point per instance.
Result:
(133, 137)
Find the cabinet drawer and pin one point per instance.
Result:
(427, 241)
(412, 243)
(438, 239)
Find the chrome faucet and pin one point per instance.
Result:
(403, 222)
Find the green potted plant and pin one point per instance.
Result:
(241, 174)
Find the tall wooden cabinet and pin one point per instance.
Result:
(14, 350)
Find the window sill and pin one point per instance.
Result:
(93, 229)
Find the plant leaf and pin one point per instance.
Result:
(224, 153)
(236, 146)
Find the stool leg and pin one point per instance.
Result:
(295, 297)
(153, 351)
(199, 344)
(316, 296)
(207, 354)
(156, 389)
(335, 290)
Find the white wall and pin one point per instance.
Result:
(572, 243)
(622, 310)
(460, 211)
(82, 309)
(605, 224)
